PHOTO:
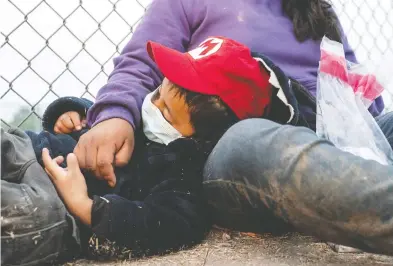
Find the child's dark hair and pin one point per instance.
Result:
(209, 115)
(312, 19)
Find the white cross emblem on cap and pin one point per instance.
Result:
(208, 47)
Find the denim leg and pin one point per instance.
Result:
(385, 122)
(260, 169)
(36, 228)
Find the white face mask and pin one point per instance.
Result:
(155, 126)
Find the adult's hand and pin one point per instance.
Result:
(108, 144)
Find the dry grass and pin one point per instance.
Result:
(233, 248)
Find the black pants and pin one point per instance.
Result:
(266, 177)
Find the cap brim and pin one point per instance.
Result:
(176, 67)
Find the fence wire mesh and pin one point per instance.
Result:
(59, 48)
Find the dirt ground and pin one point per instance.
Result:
(233, 248)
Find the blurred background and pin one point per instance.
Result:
(55, 48)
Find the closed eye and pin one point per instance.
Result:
(156, 94)
(165, 115)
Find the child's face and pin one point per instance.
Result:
(173, 108)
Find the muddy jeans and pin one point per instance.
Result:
(36, 228)
(265, 177)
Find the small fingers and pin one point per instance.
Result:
(61, 129)
(51, 166)
(66, 121)
(59, 160)
(73, 165)
(84, 123)
(75, 120)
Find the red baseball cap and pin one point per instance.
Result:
(218, 66)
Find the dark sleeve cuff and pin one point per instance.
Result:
(58, 145)
(100, 215)
(61, 106)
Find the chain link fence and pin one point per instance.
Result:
(55, 48)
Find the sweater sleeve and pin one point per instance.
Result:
(165, 220)
(135, 74)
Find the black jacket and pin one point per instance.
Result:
(157, 204)
(291, 103)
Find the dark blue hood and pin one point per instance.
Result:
(291, 103)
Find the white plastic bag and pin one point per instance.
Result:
(344, 92)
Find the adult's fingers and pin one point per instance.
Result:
(86, 151)
(76, 120)
(91, 156)
(123, 156)
(80, 153)
(111, 136)
(105, 161)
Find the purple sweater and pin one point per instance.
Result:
(182, 25)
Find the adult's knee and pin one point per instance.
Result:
(232, 150)
(255, 144)
(385, 122)
(234, 177)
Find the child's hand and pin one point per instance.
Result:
(70, 184)
(69, 122)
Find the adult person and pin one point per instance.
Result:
(299, 178)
